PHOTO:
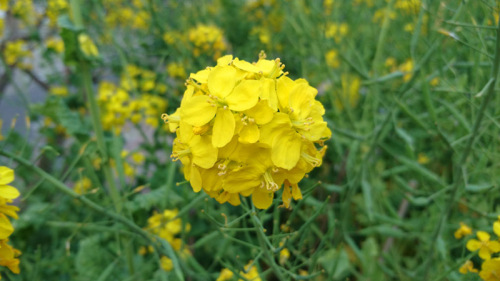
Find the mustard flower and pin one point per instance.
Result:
(484, 245)
(87, 46)
(490, 270)
(8, 255)
(247, 129)
(467, 267)
(463, 231)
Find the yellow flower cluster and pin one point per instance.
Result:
(118, 106)
(16, 52)
(8, 255)
(248, 129)
(207, 39)
(337, 31)
(490, 268)
(54, 9)
(250, 273)
(167, 225)
(119, 13)
(24, 10)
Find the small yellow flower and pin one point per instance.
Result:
(490, 270)
(87, 46)
(176, 70)
(484, 245)
(55, 44)
(8, 256)
(332, 58)
(422, 159)
(467, 267)
(83, 185)
(462, 231)
(434, 82)
(60, 91)
(166, 264)
(225, 275)
(284, 256)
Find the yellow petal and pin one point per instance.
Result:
(234, 199)
(243, 179)
(286, 150)
(286, 196)
(8, 192)
(225, 60)
(195, 179)
(496, 228)
(301, 101)
(262, 199)
(473, 245)
(244, 65)
(484, 253)
(201, 76)
(6, 228)
(6, 175)
(261, 113)
(198, 110)
(494, 246)
(269, 93)
(297, 195)
(204, 154)
(483, 236)
(284, 86)
(223, 130)
(221, 81)
(244, 96)
(249, 133)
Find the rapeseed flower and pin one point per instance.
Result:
(207, 39)
(462, 231)
(250, 273)
(490, 270)
(247, 129)
(8, 255)
(87, 46)
(484, 245)
(467, 267)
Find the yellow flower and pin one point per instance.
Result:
(284, 254)
(407, 69)
(15, 52)
(8, 256)
(55, 43)
(422, 159)
(206, 39)
(484, 245)
(167, 225)
(82, 186)
(54, 9)
(468, 266)
(4, 5)
(87, 46)
(246, 129)
(490, 270)
(6, 191)
(166, 264)
(463, 231)
(337, 31)
(332, 59)
(225, 275)
(60, 91)
(176, 70)
(349, 96)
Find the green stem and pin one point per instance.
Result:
(265, 246)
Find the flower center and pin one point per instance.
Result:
(268, 182)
